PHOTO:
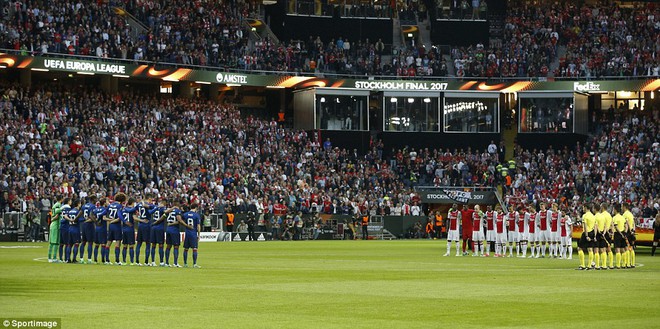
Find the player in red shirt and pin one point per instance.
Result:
(454, 216)
(466, 227)
(500, 233)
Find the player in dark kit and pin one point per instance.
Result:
(128, 231)
(101, 232)
(191, 221)
(64, 229)
(157, 236)
(144, 220)
(87, 229)
(115, 217)
(74, 217)
(172, 235)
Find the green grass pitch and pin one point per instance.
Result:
(330, 284)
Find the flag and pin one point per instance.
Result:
(458, 196)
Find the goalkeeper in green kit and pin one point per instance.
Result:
(54, 235)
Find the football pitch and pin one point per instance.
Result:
(329, 284)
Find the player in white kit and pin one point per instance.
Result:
(500, 233)
(478, 232)
(512, 233)
(490, 229)
(566, 231)
(523, 217)
(543, 235)
(554, 216)
(532, 236)
(453, 232)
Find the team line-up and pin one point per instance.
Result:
(602, 236)
(98, 223)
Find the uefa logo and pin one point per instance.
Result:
(219, 77)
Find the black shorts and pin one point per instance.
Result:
(601, 242)
(631, 237)
(605, 240)
(583, 243)
(656, 236)
(619, 240)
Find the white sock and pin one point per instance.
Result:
(511, 250)
(457, 247)
(570, 251)
(448, 246)
(481, 247)
(517, 249)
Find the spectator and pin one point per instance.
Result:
(242, 227)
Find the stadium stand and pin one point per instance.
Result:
(564, 40)
(598, 41)
(80, 141)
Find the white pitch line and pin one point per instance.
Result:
(19, 247)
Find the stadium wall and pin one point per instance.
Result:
(459, 33)
(542, 141)
(329, 28)
(361, 139)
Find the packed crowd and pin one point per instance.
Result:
(527, 49)
(365, 58)
(199, 33)
(83, 142)
(609, 40)
(600, 40)
(191, 33)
